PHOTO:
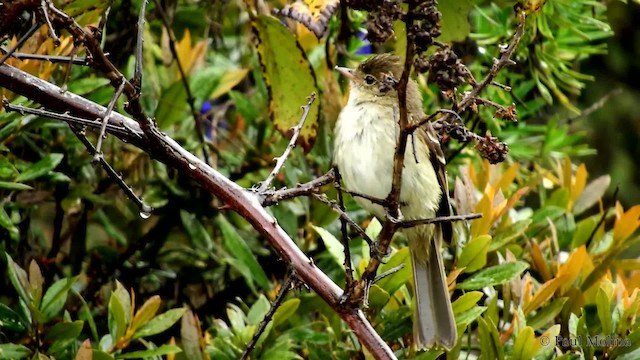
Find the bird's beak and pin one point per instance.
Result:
(346, 72)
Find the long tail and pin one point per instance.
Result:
(434, 323)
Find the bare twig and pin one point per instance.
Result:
(344, 216)
(185, 81)
(438, 219)
(124, 133)
(24, 38)
(44, 4)
(49, 58)
(286, 286)
(391, 271)
(273, 197)
(292, 143)
(145, 210)
(137, 74)
(346, 241)
(105, 120)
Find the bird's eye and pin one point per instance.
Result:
(370, 80)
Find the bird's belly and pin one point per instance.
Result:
(364, 151)
(365, 165)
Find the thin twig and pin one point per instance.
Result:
(344, 216)
(105, 119)
(281, 159)
(48, 58)
(185, 81)
(311, 187)
(346, 241)
(123, 132)
(45, 10)
(291, 278)
(432, 116)
(438, 219)
(24, 38)
(145, 210)
(137, 74)
(391, 271)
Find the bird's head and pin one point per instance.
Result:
(371, 79)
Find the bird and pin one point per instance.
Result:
(365, 138)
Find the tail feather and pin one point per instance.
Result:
(434, 323)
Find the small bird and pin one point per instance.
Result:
(366, 135)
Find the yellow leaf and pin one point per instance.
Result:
(289, 77)
(508, 177)
(626, 224)
(572, 268)
(482, 225)
(146, 312)
(578, 185)
(538, 262)
(544, 293)
(228, 81)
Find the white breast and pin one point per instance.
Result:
(365, 141)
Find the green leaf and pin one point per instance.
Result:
(509, 234)
(42, 167)
(455, 20)
(162, 350)
(604, 311)
(258, 310)
(286, 310)
(5, 222)
(10, 320)
(116, 317)
(546, 314)
(9, 128)
(8, 185)
(100, 355)
(243, 259)
(474, 254)
(64, 331)
(466, 318)
(85, 314)
(160, 323)
(55, 297)
(378, 297)
(490, 340)
(35, 283)
(466, 302)
(289, 77)
(172, 106)
(19, 280)
(333, 245)
(494, 275)
(525, 346)
(190, 335)
(14, 351)
(394, 281)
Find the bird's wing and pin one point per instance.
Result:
(438, 161)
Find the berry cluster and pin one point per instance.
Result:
(382, 14)
(446, 69)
